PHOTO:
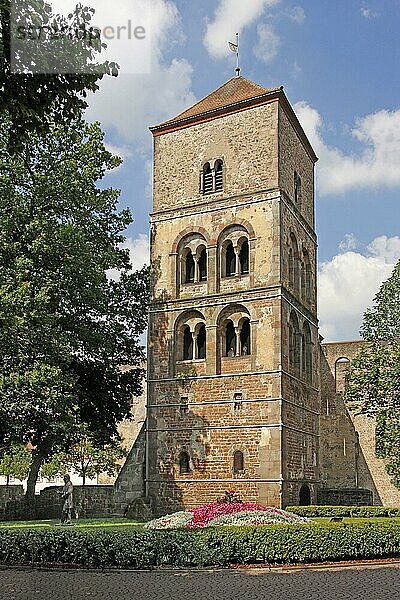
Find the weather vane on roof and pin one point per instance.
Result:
(235, 48)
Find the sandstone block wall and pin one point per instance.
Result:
(276, 426)
(347, 452)
(249, 150)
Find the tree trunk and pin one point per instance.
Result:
(84, 479)
(38, 459)
(8, 481)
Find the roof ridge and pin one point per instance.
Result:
(245, 89)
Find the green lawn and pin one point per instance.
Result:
(77, 524)
(118, 523)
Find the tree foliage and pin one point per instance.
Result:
(16, 463)
(85, 460)
(373, 379)
(66, 328)
(33, 100)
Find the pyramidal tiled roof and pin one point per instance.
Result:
(235, 90)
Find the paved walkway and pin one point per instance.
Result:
(363, 583)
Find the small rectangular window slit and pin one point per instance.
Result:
(237, 401)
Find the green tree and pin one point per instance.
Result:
(373, 378)
(16, 463)
(33, 100)
(85, 460)
(66, 328)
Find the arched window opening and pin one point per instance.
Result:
(203, 265)
(219, 176)
(187, 344)
(230, 339)
(201, 343)
(208, 186)
(305, 495)
(291, 268)
(303, 280)
(306, 277)
(294, 344)
(306, 352)
(184, 463)
(230, 258)
(238, 462)
(189, 268)
(341, 366)
(244, 258)
(245, 338)
(297, 189)
(294, 264)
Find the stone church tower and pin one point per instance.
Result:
(233, 356)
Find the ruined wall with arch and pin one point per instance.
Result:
(348, 458)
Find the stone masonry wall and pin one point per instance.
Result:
(347, 451)
(276, 426)
(91, 501)
(249, 166)
(293, 157)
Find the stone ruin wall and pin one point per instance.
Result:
(347, 443)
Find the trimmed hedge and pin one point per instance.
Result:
(215, 546)
(344, 511)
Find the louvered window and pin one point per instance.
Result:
(219, 176)
(208, 184)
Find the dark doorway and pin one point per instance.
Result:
(305, 495)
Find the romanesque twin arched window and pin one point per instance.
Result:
(233, 254)
(235, 332)
(212, 177)
(193, 259)
(191, 336)
(300, 348)
(299, 270)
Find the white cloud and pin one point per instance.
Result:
(121, 151)
(349, 242)
(118, 23)
(368, 13)
(348, 283)
(267, 43)
(232, 16)
(297, 14)
(131, 103)
(377, 163)
(139, 252)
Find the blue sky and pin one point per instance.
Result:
(338, 62)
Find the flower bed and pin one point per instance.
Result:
(221, 513)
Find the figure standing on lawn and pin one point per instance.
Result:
(67, 492)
